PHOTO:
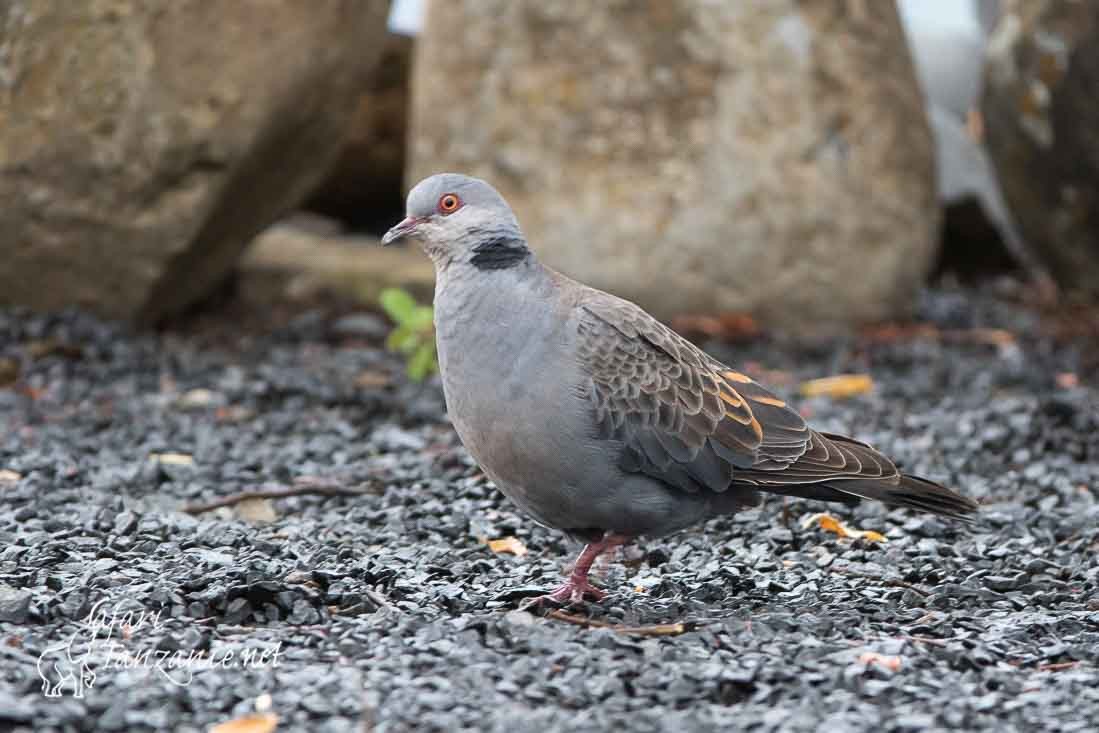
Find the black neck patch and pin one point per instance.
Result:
(498, 253)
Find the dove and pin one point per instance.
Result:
(596, 419)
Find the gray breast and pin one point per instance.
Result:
(515, 395)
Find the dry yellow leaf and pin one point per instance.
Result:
(840, 386)
(8, 476)
(257, 723)
(830, 524)
(256, 511)
(893, 664)
(1067, 380)
(370, 379)
(172, 459)
(9, 371)
(198, 398)
(508, 544)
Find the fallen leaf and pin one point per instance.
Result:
(888, 333)
(172, 459)
(830, 524)
(8, 476)
(371, 379)
(9, 371)
(726, 326)
(646, 583)
(1067, 380)
(508, 544)
(197, 399)
(257, 723)
(33, 393)
(893, 664)
(901, 332)
(990, 336)
(53, 347)
(840, 386)
(257, 511)
(232, 413)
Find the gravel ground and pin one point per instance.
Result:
(388, 611)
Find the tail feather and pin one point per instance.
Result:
(912, 492)
(838, 468)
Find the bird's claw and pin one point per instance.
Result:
(571, 592)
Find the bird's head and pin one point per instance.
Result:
(457, 218)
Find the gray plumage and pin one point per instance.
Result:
(593, 417)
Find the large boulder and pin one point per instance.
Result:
(144, 142)
(1041, 108)
(769, 156)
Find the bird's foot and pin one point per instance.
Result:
(577, 589)
(574, 590)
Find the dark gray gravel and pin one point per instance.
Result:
(387, 610)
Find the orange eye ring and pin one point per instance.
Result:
(449, 203)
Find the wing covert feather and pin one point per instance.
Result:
(682, 415)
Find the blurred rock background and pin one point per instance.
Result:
(1041, 105)
(144, 144)
(800, 161)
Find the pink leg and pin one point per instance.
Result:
(577, 587)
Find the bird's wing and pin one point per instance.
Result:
(691, 421)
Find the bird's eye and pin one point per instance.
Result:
(449, 203)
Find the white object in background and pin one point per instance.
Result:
(406, 17)
(947, 41)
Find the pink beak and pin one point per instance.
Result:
(401, 230)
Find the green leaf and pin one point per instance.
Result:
(398, 304)
(422, 362)
(414, 335)
(394, 338)
(403, 339)
(421, 319)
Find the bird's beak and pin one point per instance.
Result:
(401, 230)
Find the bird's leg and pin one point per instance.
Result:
(577, 587)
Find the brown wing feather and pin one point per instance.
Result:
(682, 415)
(694, 423)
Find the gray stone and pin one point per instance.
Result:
(146, 142)
(769, 157)
(14, 604)
(1041, 107)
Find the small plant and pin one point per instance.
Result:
(414, 334)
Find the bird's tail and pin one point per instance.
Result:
(911, 492)
(863, 473)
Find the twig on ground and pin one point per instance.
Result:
(914, 638)
(653, 630)
(378, 599)
(880, 579)
(277, 491)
